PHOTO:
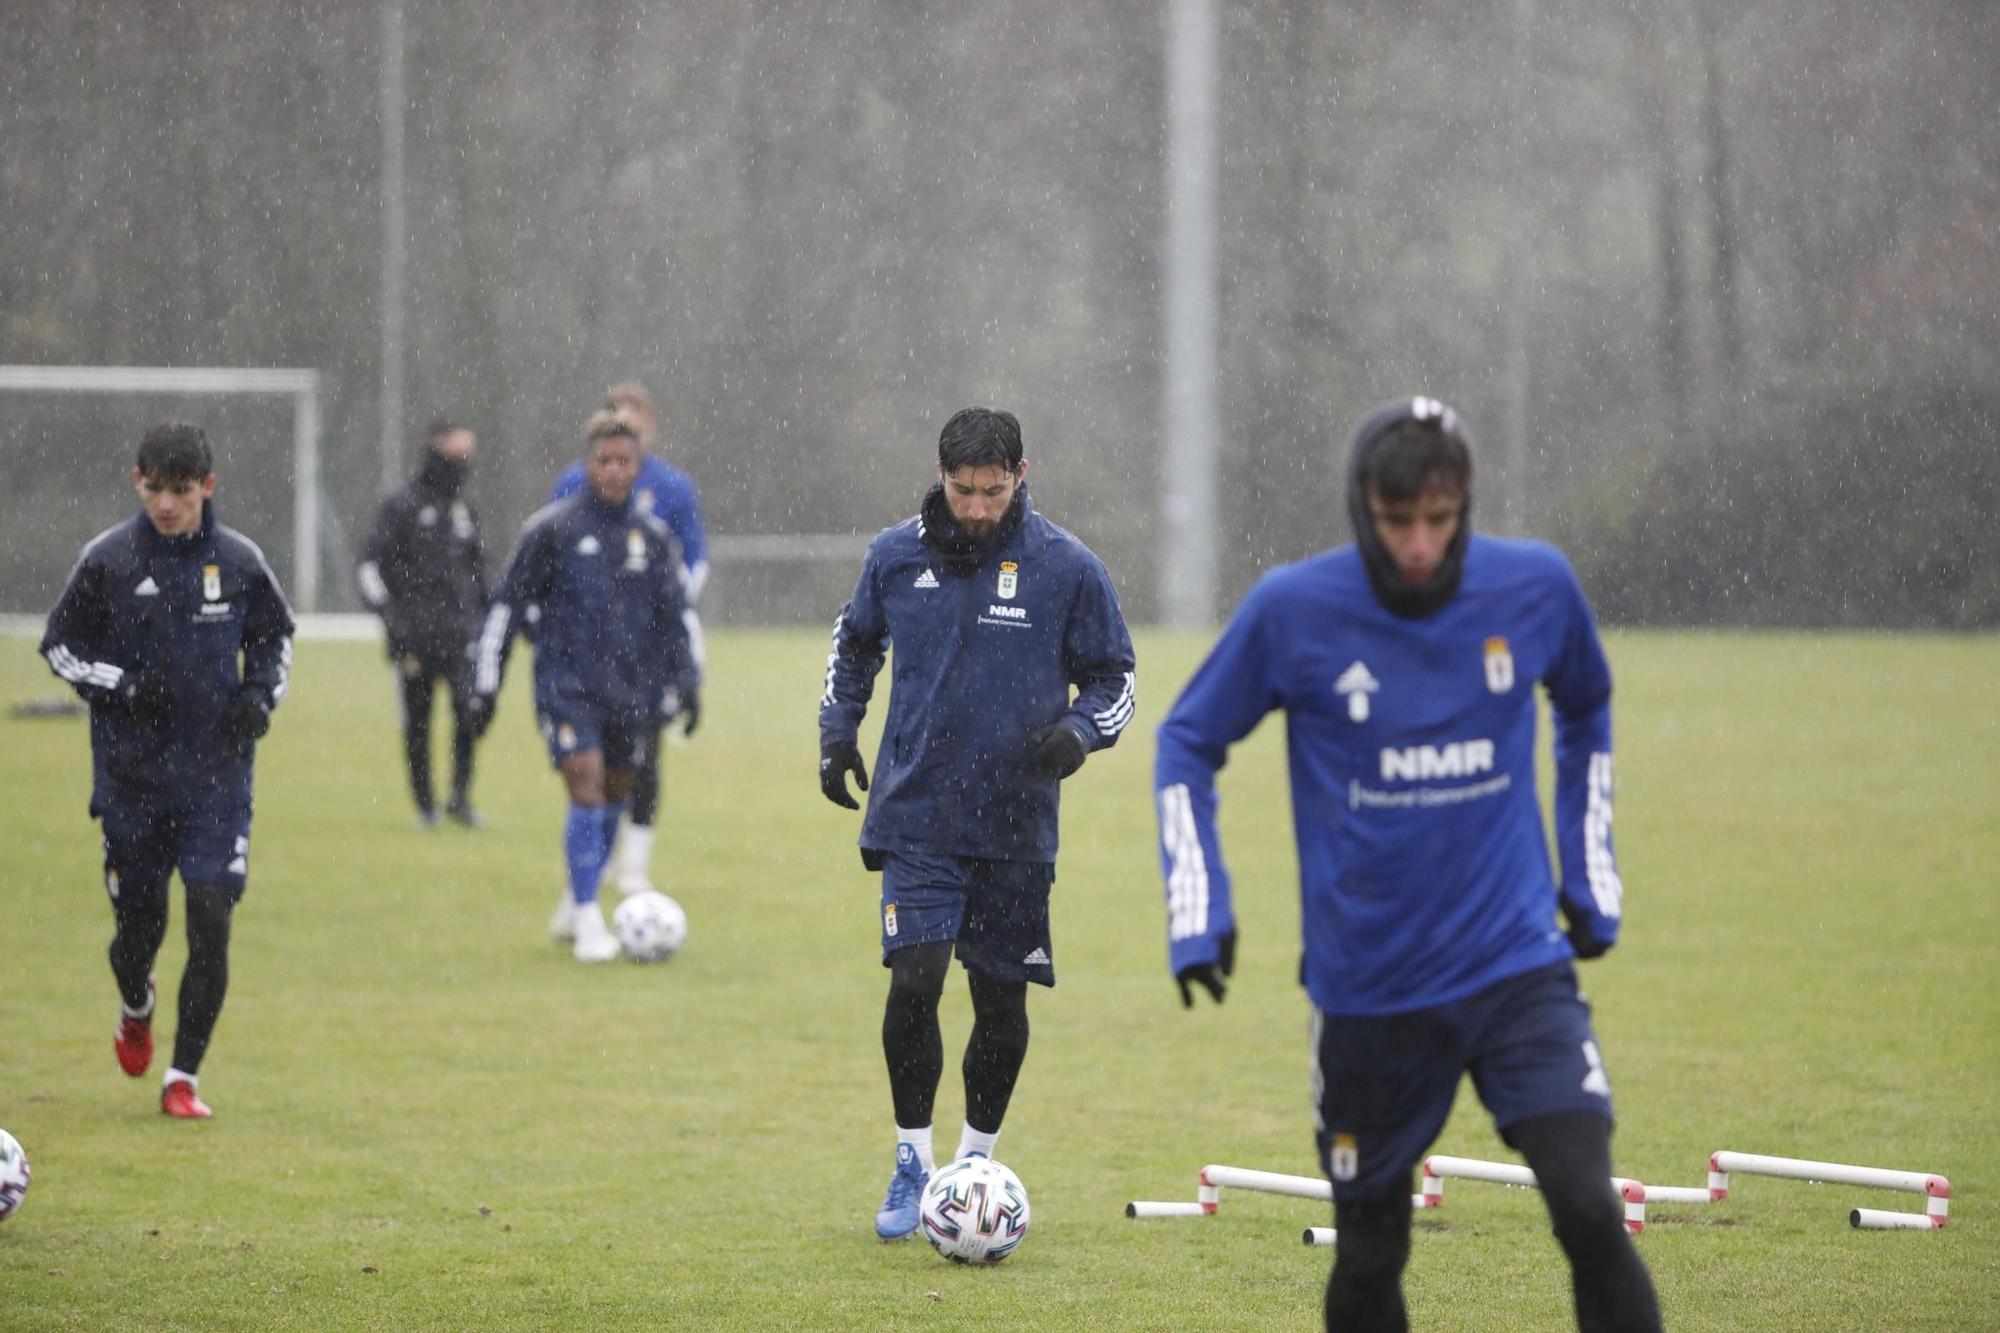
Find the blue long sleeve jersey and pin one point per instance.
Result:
(201, 613)
(1424, 871)
(982, 658)
(668, 494)
(609, 590)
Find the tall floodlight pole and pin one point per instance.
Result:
(392, 244)
(1188, 543)
(1514, 443)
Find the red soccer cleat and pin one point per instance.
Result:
(133, 1042)
(178, 1100)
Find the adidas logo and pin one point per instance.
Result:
(147, 588)
(925, 580)
(1040, 955)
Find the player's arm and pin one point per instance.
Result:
(75, 643)
(678, 646)
(860, 644)
(382, 552)
(1224, 701)
(1098, 659)
(267, 657)
(1579, 688)
(683, 515)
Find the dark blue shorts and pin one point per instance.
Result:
(571, 727)
(1385, 1084)
(143, 848)
(996, 911)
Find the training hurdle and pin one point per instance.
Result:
(1215, 1178)
(1440, 1168)
(1935, 1188)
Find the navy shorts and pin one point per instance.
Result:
(143, 848)
(1385, 1085)
(996, 911)
(570, 727)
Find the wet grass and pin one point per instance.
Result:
(427, 1116)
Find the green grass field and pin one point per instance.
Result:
(428, 1116)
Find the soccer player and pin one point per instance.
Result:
(1406, 665)
(995, 613)
(612, 656)
(424, 572)
(174, 631)
(668, 494)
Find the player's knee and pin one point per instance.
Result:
(916, 973)
(1372, 1241)
(209, 908)
(999, 1010)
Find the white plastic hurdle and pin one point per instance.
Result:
(1216, 1177)
(1935, 1188)
(1438, 1169)
(1318, 1236)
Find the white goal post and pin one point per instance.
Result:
(301, 385)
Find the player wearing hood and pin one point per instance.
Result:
(1406, 666)
(424, 572)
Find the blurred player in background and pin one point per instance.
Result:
(1406, 665)
(174, 631)
(424, 572)
(995, 613)
(668, 494)
(613, 661)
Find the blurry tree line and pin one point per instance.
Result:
(1716, 284)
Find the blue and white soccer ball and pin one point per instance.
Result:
(650, 926)
(13, 1175)
(974, 1211)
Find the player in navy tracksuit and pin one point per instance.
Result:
(668, 494)
(424, 572)
(612, 657)
(995, 614)
(1406, 666)
(173, 630)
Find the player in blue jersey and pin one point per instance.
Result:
(996, 614)
(668, 494)
(612, 656)
(174, 631)
(1406, 665)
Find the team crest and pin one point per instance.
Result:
(1499, 665)
(889, 920)
(1010, 578)
(111, 882)
(461, 521)
(1346, 1157)
(1357, 683)
(211, 582)
(635, 549)
(566, 736)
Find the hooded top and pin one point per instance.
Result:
(1398, 594)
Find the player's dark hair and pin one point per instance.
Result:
(1413, 456)
(175, 451)
(980, 437)
(606, 423)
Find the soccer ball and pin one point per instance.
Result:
(974, 1211)
(13, 1175)
(651, 927)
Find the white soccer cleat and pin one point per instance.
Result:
(562, 925)
(594, 941)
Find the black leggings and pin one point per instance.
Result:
(1571, 1157)
(136, 943)
(646, 787)
(418, 688)
(915, 1049)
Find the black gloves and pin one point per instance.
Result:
(1209, 976)
(1056, 751)
(479, 712)
(146, 695)
(836, 760)
(1586, 944)
(247, 718)
(690, 709)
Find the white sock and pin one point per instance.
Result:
(176, 1076)
(635, 850)
(971, 1141)
(920, 1139)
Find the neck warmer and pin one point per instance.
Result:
(961, 552)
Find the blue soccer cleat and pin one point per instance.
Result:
(897, 1217)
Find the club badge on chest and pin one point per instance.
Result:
(635, 550)
(211, 582)
(1010, 579)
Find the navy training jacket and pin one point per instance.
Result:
(983, 656)
(204, 613)
(609, 590)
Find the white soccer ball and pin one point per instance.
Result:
(974, 1211)
(13, 1175)
(651, 927)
